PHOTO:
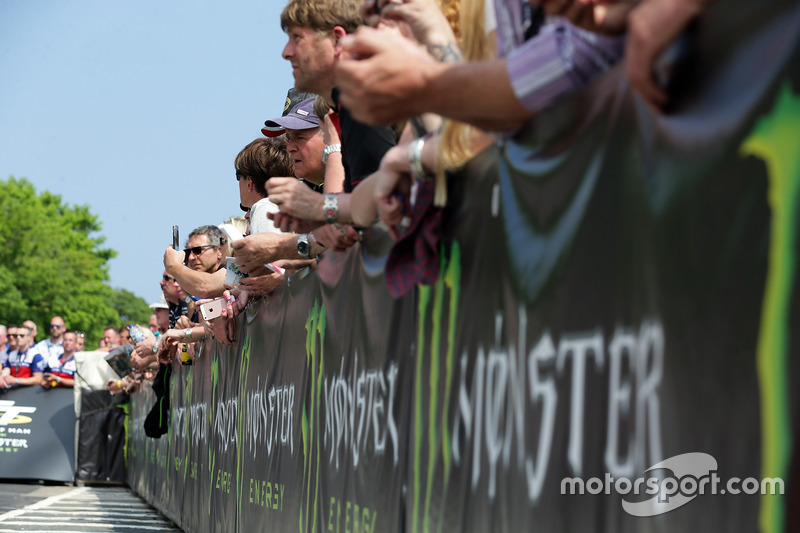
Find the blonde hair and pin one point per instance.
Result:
(239, 223)
(322, 15)
(455, 147)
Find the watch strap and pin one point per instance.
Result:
(330, 208)
(330, 149)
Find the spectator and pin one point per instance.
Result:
(315, 29)
(60, 370)
(13, 338)
(3, 345)
(110, 337)
(81, 342)
(124, 336)
(169, 307)
(259, 161)
(203, 274)
(159, 320)
(25, 364)
(175, 297)
(51, 346)
(153, 324)
(304, 143)
(34, 331)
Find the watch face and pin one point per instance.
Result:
(303, 248)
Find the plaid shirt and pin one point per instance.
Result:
(414, 258)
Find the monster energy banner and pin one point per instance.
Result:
(609, 346)
(37, 434)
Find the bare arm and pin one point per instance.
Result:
(394, 80)
(200, 284)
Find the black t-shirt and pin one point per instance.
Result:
(363, 146)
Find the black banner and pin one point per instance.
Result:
(610, 346)
(37, 434)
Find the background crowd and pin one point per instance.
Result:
(390, 98)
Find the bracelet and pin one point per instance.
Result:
(328, 150)
(330, 208)
(415, 159)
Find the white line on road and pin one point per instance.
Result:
(42, 503)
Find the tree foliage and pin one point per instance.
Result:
(52, 262)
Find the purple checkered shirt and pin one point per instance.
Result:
(559, 60)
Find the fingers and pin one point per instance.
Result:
(640, 55)
(365, 42)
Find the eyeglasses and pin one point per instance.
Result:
(56, 326)
(18, 334)
(167, 278)
(239, 176)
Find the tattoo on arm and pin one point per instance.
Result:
(446, 53)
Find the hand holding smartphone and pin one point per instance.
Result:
(213, 309)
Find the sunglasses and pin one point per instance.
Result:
(197, 250)
(18, 334)
(56, 326)
(167, 278)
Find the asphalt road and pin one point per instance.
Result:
(35, 507)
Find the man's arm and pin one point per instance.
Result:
(390, 79)
(255, 251)
(396, 80)
(200, 284)
(35, 379)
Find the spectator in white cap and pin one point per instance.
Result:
(159, 321)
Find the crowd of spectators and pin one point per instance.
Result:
(390, 96)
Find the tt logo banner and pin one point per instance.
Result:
(11, 413)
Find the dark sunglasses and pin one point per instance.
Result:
(56, 326)
(18, 334)
(167, 278)
(197, 250)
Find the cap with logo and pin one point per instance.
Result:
(301, 117)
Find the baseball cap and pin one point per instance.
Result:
(301, 117)
(161, 303)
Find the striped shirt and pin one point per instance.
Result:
(558, 61)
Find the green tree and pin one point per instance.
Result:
(52, 262)
(131, 309)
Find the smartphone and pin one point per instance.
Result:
(176, 240)
(213, 309)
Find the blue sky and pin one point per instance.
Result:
(138, 110)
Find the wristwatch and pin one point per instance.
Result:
(328, 150)
(187, 333)
(303, 248)
(331, 208)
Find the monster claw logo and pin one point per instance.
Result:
(11, 413)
